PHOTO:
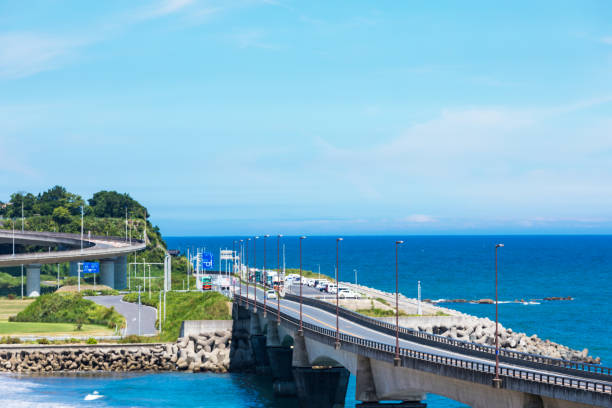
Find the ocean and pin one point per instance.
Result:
(449, 267)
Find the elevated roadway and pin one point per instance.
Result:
(428, 364)
(111, 251)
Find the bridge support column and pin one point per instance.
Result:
(33, 280)
(365, 389)
(74, 269)
(120, 272)
(258, 344)
(107, 272)
(321, 387)
(280, 358)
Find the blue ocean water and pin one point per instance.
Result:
(530, 267)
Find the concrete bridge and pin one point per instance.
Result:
(111, 251)
(314, 363)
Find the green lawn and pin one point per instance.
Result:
(12, 307)
(52, 329)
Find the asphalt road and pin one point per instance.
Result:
(148, 314)
(325, 319)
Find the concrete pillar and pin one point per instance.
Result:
(280, 358)
(74, 269)
(107, 272)
(120, 272)
(365, 389)
(300, 354)
(272, 338)
(33, 280)
(321, 387)
(262, 363)
(255, 327)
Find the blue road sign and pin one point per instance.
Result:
(91, 267)
(207, 260)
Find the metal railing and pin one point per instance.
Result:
(389, 351)
(478, 350)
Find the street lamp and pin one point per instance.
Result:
(278, 237)
(355, 270)
(265, 276)
(301, 329)
(255, 275)
(234, 269)
(247, 271)
(396, 360)
(337, 344)
(240, 275)
(496, 380)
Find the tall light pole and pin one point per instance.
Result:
(301, 329)
(396, 360)
(22, 228)
(82, 212)
(496, 380)
(126, 225)
(355, 270)
(248, 277)
(265, 276)
(278, 237)
(255, 276)
(240, 275)
(234, 268)
(337, 344)
(13, 236)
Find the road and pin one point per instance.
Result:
(327, 320)
(148, 314)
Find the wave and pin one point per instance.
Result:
(21, 392)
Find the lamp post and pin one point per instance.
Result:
(278, 237)
(240, 274)
(496, 380)
(265, 276)
(337, 343)
(234, 268)
(301, 329)
(255, 276)
(82, 212)
(355, 270)
(247, 272)
(396, 360)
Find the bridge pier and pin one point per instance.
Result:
(321, 387)
(258, 344)
(120, 272)
(107, 272)
(33, 280)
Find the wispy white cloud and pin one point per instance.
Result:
(420, 219)
(163, 8)
(251, 38)
(607, 40)
(24, 53)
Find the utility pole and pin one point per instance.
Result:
(82, 213)
(139, 310)
(159, 311)
(22, 228)
(419, 310)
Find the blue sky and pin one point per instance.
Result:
(232, 117)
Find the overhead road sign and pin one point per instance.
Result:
(91, 267)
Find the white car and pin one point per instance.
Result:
(271, 294)
(321, 283)
(346, 293)
(331, 288)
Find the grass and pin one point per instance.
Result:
(383, 301)
(185, 306)
(52, 329)
(376, 312)
(68, 308)
(309, 274)
(12, 307)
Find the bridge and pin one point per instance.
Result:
(111, 251)
(312, 360)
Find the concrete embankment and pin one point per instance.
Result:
(206, 350)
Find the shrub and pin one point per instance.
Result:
(91, 340)
(10, 296)
(44, 340)
(10, 340)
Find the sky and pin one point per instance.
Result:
(316, 117)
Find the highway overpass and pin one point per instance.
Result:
(111, 251)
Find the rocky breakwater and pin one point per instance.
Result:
(41, 359)
(203, 352)
(482, 331)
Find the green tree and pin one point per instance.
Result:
(112, 204)
(61, 216)
(13, 209)
(58, 197)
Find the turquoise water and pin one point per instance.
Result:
(530, 267)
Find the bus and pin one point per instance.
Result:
(206, 282)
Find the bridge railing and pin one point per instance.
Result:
(389, 350)
(480, 350)
(66, 235)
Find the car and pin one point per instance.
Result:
(271, 294)
(331, 288)
(346, 293)
(321, 283)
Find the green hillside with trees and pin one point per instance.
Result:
(59, 210)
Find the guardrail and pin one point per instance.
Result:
(389, 350)
(477, 350)
(66, 235)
